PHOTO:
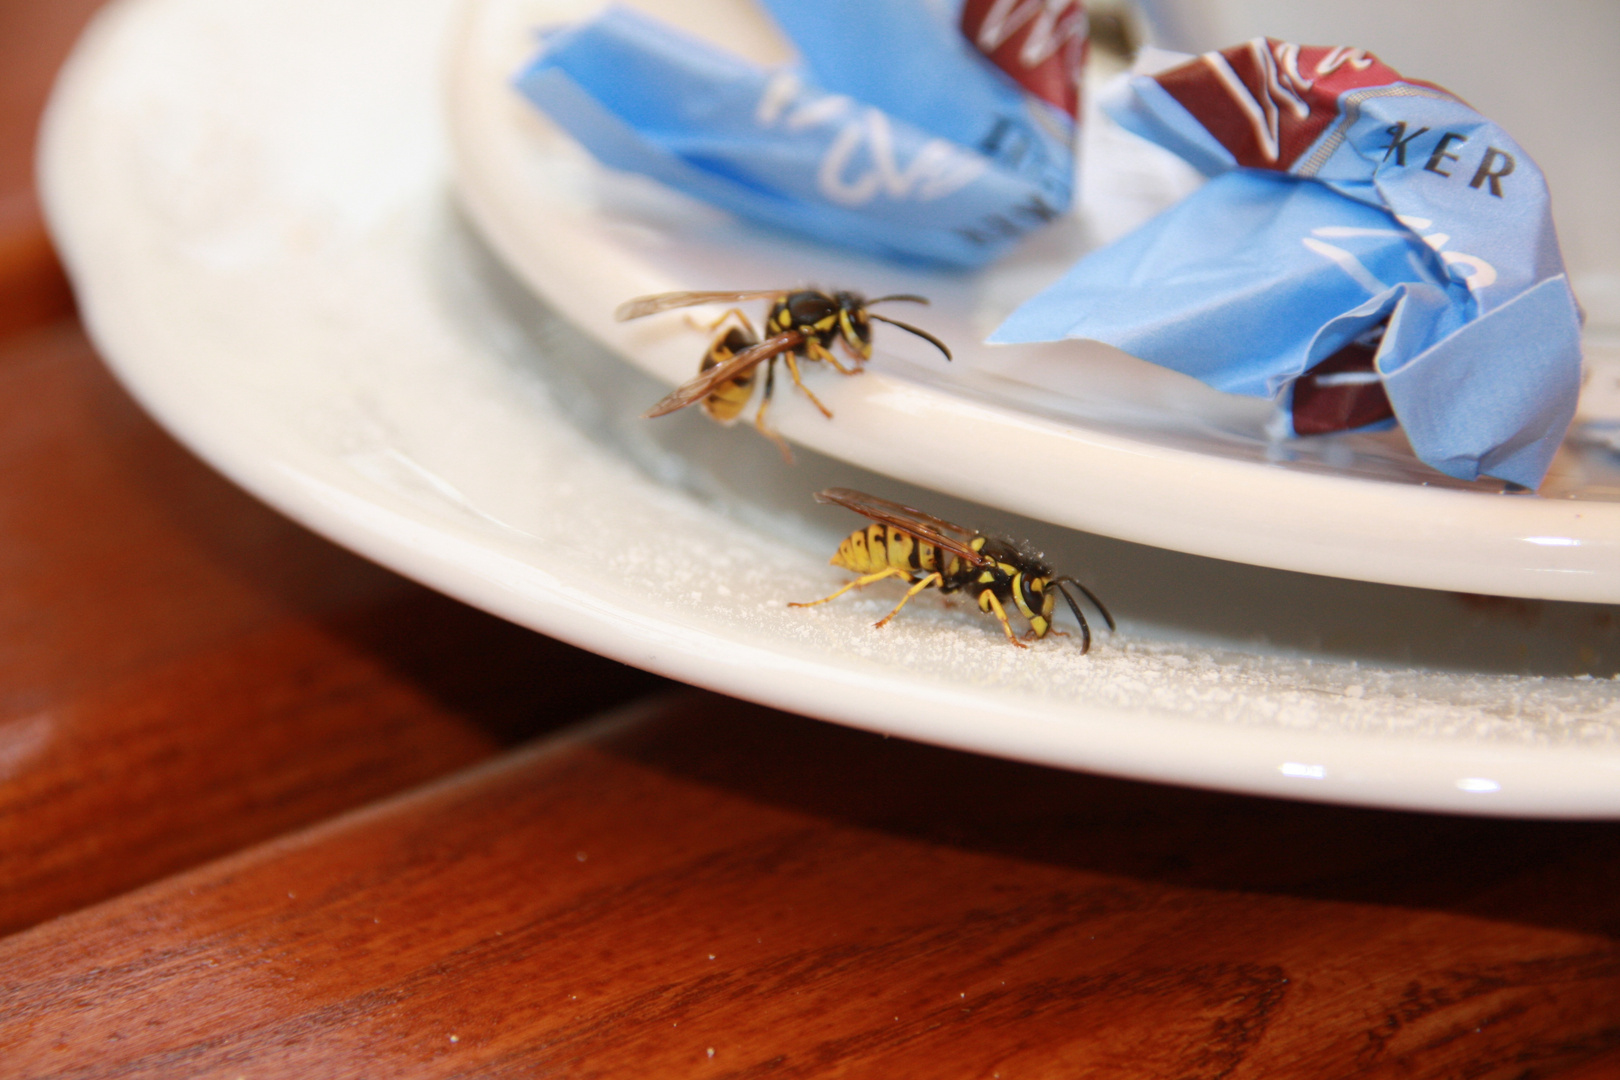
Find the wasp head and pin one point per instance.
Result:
(854, 325)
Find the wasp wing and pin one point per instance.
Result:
(652, 305)
(695, 390)
(937, 531)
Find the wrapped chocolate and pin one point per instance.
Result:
(1369, 247)
(903, 132)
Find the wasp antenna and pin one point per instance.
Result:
(925, 335)
(1089, 596)
(1085, 627)
(910, 298)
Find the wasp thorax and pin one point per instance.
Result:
(811, 308)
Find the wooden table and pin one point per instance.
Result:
(267, 810)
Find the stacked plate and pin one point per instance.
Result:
(326, 244)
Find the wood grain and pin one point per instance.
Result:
(183, 671)
(808, 901)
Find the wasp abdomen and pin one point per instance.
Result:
(726, 401)
(879, 547)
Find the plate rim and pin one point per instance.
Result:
(1468, 541)
(1561, 782)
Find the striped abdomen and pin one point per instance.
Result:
(878, 547)
(726, 401)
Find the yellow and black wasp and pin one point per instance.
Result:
(927, 551)
(802, 325)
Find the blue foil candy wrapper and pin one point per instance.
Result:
(1369, 248)
(902, 133)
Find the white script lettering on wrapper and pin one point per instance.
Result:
(1039, 44)
(1052, 24)
(1479, 272)
(937, 169)
(1283, 85)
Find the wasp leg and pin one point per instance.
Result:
(764, 405)
(820, 352)
(715, 324)
(855, 358)
(746, 325)
(931, 579)
(1001, 614)
(858, 583)
(793, 369)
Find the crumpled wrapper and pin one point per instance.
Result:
(922, 132)
(1369, 247)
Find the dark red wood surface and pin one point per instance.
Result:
(267, 810)
(183, 671)
(698, 875)
(34, 36)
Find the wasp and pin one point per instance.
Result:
(927, 551)
(802, 325)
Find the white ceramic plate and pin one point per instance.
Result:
(253, 198)
(1076, 434)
